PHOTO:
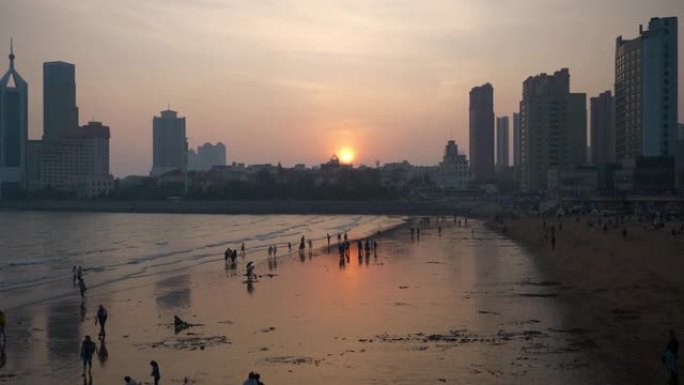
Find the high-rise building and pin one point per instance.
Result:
(60, 114)
(516, 139)
(79, 162)
(646, 86)
(553, 129)
(13, 130)
(207, 156)
(502, 160)
(482, 132)
(170, 143)
(602, 128)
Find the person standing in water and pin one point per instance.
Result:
(88, 348)
(101, 317)
(155, 372)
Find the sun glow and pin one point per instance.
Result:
(346, 155)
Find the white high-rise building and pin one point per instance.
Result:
(646, 86)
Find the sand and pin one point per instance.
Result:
(466, 307)
(626, 293)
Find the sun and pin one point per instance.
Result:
(346, 155)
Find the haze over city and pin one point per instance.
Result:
(296, 81)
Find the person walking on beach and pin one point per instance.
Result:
(242, 248)
(101, 317)
(310, 244)
(155, 372)
(250, 271)
(670, 358)
(328, 236)
(250, 379)
(88, 348)
(3, 321)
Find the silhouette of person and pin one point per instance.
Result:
(88, 348)
(101, 318)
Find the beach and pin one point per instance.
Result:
(625, 294)
(467, 306)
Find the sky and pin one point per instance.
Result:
(294, 81)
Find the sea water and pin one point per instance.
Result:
(38, 250)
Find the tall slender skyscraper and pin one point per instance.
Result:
(13, 130)
(502, 142)
(170, 145)
(60, 114)
(646, 85)
(553, 128)
(482, 132)
(603, 128)
(516, 139)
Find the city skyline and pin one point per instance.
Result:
(394, 87)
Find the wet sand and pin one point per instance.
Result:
(626, 293)
(467, 307)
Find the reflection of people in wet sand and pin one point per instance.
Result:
(88, 348)
(3, 321)
(102, 353)
(82, 287)
(3, 356)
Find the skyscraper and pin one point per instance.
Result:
(502, 142)
(13, 130)
(516, 139)
(646, 86)
(553, 128)
(170, 144)
(482, 132)
(60, 114)
(603, 128)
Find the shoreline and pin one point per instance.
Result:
(624, 293)
(481, 208)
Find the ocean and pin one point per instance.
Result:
(39, 249)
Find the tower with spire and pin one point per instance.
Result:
(13, 130)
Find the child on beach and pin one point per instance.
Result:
(155, 372)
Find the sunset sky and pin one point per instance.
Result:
(296, 80)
